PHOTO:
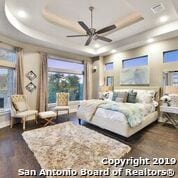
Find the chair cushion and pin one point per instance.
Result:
(47, 114)
(61, 108)
(19, 103)
(26, 113)
(20, 106)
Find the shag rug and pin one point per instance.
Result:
(66, 145)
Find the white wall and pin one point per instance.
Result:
(155, 57)
(97, 76)
(31, 62)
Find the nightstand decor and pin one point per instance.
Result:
(169, 108)
(166, 100)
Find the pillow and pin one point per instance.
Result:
(131, 98)
(107, 95)
(120, 97)
(119, 100)
(110, 95)
(20, 106)
(145, 96)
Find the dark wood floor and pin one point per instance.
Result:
(154, 141)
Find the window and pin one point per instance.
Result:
(170, 56)
(175, 79)
(7, 77)
(7, 55)
(109, 66)
(135, 62)
(65, 76)
(170, 78)
(109, 81)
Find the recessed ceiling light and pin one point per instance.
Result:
(150, 40)
(113, 51)
(163, 19)
(22, 14)
(96, 45)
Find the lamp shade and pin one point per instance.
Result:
(105, 88)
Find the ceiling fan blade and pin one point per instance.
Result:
(104, 38)
(76, 35)
(85, 27)
(106, 29)
(88, 41)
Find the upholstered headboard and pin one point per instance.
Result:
(157, 89)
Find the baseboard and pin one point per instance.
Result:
(4, 124)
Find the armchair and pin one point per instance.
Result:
(20, 109)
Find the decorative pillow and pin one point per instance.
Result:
(145, 96)
(120, 97)
(20, 106)
(107, 95)
(119, 100)
(131, 98)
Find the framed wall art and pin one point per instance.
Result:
(135, 76)
(31, 75)
(30, 87)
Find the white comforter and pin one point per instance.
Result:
(88, 109)
(146, 108)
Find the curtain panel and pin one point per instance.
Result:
(43, 83)
(88, 79)
(19, 71)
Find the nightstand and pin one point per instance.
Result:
(167, 111)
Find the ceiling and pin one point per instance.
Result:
(48, 22)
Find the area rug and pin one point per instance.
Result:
(68, 146)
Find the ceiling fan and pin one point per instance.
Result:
(92, 33)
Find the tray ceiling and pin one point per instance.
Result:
(49, 21)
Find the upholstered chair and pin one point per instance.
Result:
(20, 109)
(62, 102)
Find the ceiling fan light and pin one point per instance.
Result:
(113, 51)
(22, 14)
(163, 19)
(150, 40)
(92, 33)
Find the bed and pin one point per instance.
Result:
(108, 115)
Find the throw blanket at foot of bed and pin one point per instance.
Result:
(88, 108)
(131, 111)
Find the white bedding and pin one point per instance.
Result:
(115, 115)
(112, 118)
(146, 108)
(90, 108)
(117, 122)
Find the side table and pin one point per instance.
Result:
(167, 111)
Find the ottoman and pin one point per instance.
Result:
(48, 116)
